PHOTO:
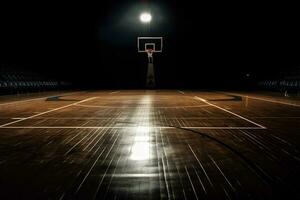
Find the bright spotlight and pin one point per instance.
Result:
(146, 17)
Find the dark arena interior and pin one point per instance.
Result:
(149, 99)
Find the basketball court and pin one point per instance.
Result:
(154, 144)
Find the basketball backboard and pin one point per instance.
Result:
(150, 43)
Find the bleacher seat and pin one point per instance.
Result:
(15, 81)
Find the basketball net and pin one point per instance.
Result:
(150, 52)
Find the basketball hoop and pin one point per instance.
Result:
(150, 45)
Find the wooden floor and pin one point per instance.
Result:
(149, 145)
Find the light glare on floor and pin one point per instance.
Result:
(140, 151)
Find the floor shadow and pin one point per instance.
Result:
(58, 98)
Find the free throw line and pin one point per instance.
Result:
(131, 127)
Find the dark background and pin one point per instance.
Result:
(205, 45)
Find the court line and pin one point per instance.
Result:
(131, 127)
(42, 113)
(144, 107)
(146, 118)
(114, 92)
(39, 98)
(262, 99)
(181, 92)
(133, 175)
(239, 116)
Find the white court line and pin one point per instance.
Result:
(132, 175)
(262, 99)
(7, 124)
(143, 107)
(239, 116)
(39, 98)
(180, 91)
(144, 118)
(225, 127)
(114, 92)
(133, 127)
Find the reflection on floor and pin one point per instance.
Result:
(150, 145)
